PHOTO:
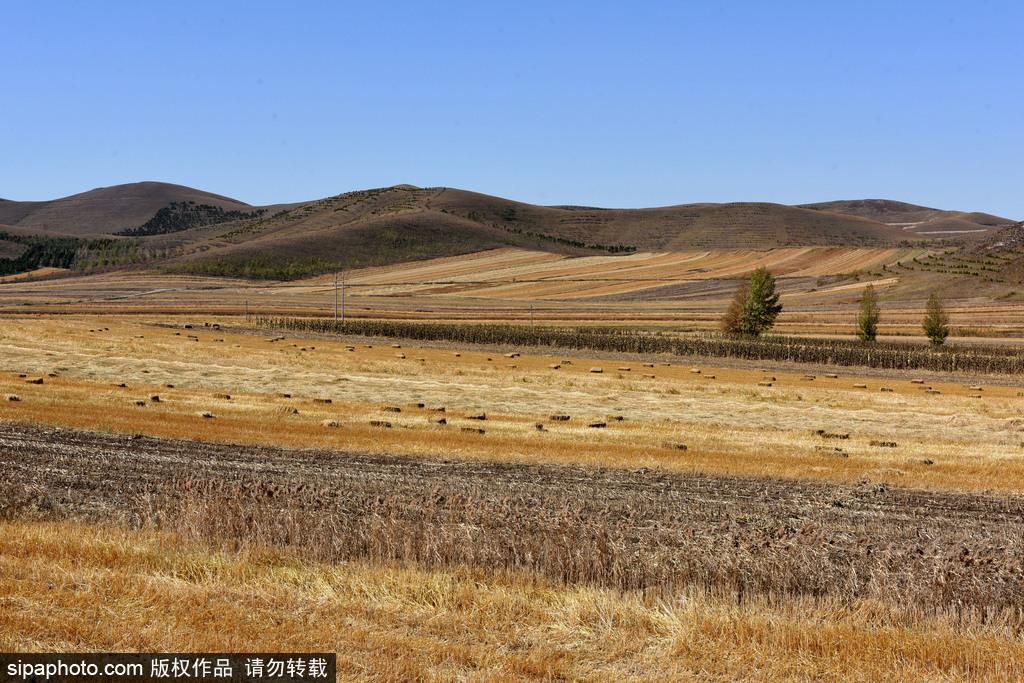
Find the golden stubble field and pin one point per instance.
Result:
(671, 291)
(117, 587)
(754, 421)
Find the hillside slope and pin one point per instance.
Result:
(388, 225)
(401, 223)
(685, 226)
(923, 220)
(106, 210)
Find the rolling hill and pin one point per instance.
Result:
(375, 227)
(402, 223)
(106, 210)
(922, 220)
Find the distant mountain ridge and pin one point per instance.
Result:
(923, 220)
(393, 224)
(106, 210)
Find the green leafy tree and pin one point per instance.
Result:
(754, 306)
(936, 322)
(867, 319)
(762, 306)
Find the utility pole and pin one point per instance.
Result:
(335, 296)
(343, 296)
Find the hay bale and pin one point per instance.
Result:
(917, 381)
(280, 395)
(649, 377)
(565, 362)
(555, 366)
(886, 389)
(458, 355)
(597, 369)
(510, 355)
(380, 423)
(925, 461)
(155, 398)
(37, 380)
(391, 409)
(597, 425)
(396, 346)
(421, 405)
(473, 430)
(476, 416)
(834, 452)
(832, 376)
(709, 376)
(226, 397)
(831, 435)
(673, 445)
(559, 418)
(323, 400)
(860, 386)
(625, 369)
(287, 410)
(808, 378)
(13, 397)
(933, 391)
(882, 444)
(329, 423)
(168, 386)
(437, 420)
(399, 355)
(694, 371)
(615, 418)
(204, 413)
(975, 388)
(764, 384)
(539, 426)
(438, 409)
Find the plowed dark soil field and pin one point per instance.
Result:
(634, 529)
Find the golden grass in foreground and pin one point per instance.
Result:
(66, 586)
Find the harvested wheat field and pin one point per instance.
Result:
(504, 514)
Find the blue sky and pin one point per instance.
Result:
(604, 104)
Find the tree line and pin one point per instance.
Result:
(180, 216)
(755, 306)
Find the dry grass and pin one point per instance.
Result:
(73, 586)
(730, 424)
(412, 582)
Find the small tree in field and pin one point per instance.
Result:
(762, 306)
(936, 322)
(867, 320)
(730, 323)
(754, 306)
